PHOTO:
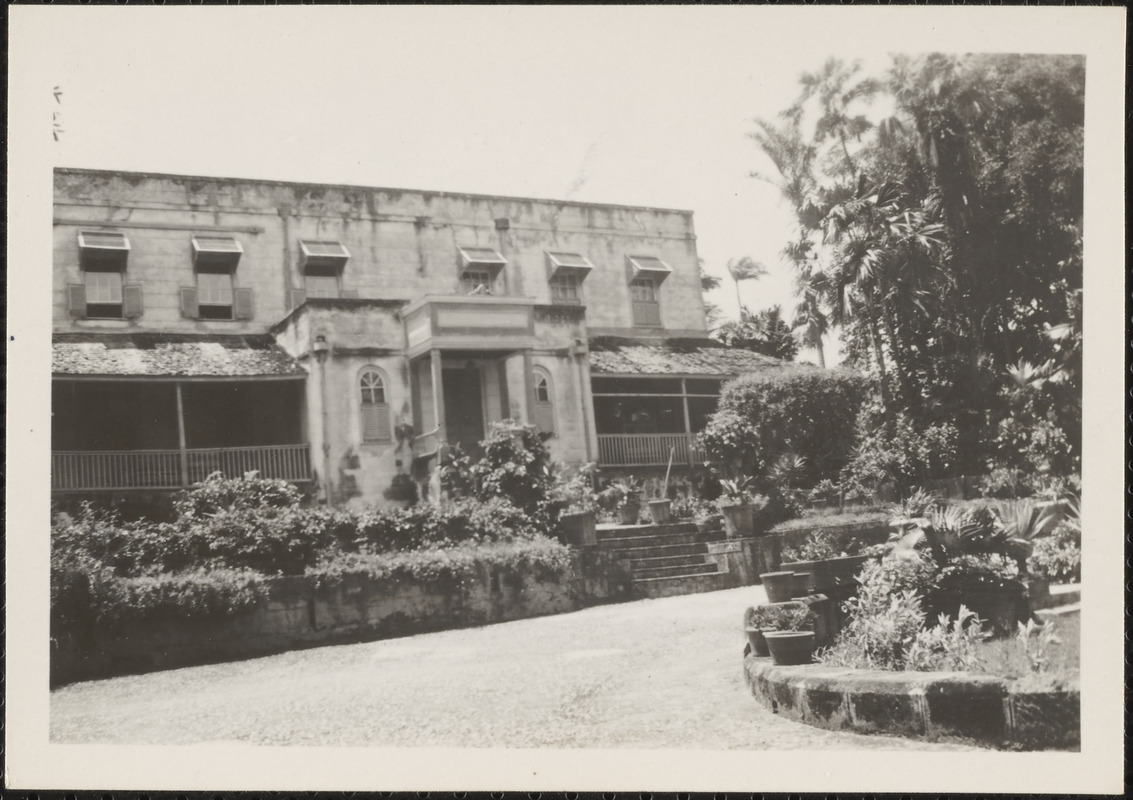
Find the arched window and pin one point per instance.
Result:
(375, 408)
(544, 402)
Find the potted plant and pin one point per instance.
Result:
(780, 586)
(755, 620)
(578, 520)
(624, 494)
(826, 561)
(786, 629)
(735, 504)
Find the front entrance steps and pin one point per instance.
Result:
(666, 560)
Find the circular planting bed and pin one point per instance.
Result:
(990, 709)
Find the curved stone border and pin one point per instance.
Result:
(986, 708)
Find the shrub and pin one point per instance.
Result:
(900, 452)
(196, 594)
(515, 467)
(821, 545)
(1058, 557)
(451, 566)
(217, 493)
(807, 412)
(464, 521)
(1005, 483)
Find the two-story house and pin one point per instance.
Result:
(345, 335)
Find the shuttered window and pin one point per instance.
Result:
(646, 309)
(375, 410)
(476, 281)
(103, 294)
(566, 288)
(321, 285)
(214, 295)
(544, 403)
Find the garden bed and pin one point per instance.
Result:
(989, 709)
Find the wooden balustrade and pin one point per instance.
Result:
(646, 449)
(161, 469)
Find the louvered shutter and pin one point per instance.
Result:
(77, 300)
(544, 417)
(189, 305)
(132, 304)
(243, 304)
(349, 294)
(376, 422)
(297, 297)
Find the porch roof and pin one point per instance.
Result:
(167, 355)
(612, 355)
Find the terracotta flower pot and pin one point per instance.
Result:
(803, 586)
(738, 520)
(629, 513)
(660, 511)
(843, 570)
(758, 642)
(778, 585)
(790, 647)
(581, 529)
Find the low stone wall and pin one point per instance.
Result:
(986, 708)
(300, 613)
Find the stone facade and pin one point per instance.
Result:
(387, 302)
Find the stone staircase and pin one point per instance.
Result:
(666, 560)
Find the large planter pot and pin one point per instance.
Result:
(845, 569)
(758, 642)
(999, 607)
(628, 513)
(738, 520)
(790, 647)
(780, 586)
(803, 586)
(660, 511)
(815, 572)
(581, 529)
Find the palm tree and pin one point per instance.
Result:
(809, 315)
(745, 269)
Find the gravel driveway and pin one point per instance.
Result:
(648, 674)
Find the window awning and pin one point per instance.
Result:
(107, 241)
(647, 267)
(481, 258)
(216, 251)
(103, 250)
(562, 263)
(170, 356)
(322, 253)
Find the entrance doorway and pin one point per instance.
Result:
(464, 406)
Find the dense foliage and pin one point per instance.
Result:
(232, 534)
(762, 421)
(945, 242)
(763, 332)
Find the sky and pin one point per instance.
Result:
(616, 105)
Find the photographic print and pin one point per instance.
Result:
(553, 392)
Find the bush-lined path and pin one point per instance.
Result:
(652, 673)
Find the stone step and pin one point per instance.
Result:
(661, 551)
(623, 543)
(681, 584)
(680, 570)
(607, 531)
(688, 560)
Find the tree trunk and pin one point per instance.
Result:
(875, 340)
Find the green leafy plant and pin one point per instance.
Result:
(820, 545)
(622, 492)
(1035, 642)
(774, 617)
(1058, 557)
(736, 491)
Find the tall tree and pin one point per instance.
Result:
(763, 332)
(745, 269)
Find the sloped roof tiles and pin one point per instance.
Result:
(621, 356)
(158, 355)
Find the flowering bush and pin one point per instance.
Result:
(820, 545)
(899, 452)
(1058, 557)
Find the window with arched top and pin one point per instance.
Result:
(375, 406)
(544, 402)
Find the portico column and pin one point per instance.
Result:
(438, 397)
(184, 455)
(529, 387)
(688, 425)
